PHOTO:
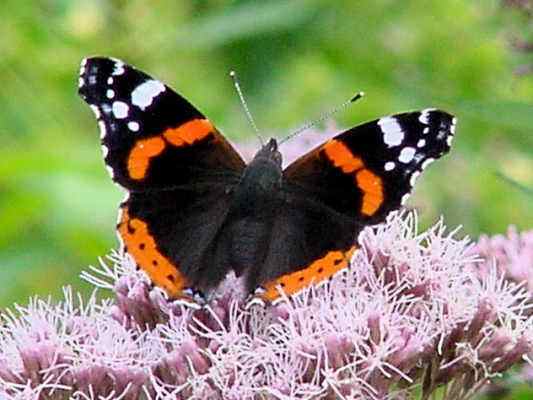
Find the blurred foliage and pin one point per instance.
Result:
(295, 59)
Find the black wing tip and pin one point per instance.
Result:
(93, 70)
(439, 117)
(441, 123)
(98, 59)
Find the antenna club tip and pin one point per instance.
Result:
(357, 96)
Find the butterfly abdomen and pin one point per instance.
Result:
(248, 243)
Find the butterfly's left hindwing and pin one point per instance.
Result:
(177, 168)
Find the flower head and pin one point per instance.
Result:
(512, 254)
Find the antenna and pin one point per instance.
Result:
(245, 106)
(324, 116)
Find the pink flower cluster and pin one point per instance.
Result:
(411, 315)
(511, 254)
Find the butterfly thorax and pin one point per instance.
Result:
(259, 186)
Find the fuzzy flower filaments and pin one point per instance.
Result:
(512, 254)
(412, 314)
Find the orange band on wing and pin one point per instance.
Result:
(140, 156)
(320, 270)
(342, 157)
(189, 132)
(145, 149)
(372, 187)
(142, 247)
(370, 184)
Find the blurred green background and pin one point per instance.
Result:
(295, 59)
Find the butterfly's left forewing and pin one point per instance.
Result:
(351, 181)
(151, 136)
(176, 167)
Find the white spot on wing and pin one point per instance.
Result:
(82, 66)
(110, 93)
(110, 80)
(119, 68)
(120, 109)
(389, 166)
(96, 110)
(119, 217)
(413, 178)
(106, 108)
(449, 140)
(404, 198)
(110, 170)
(105, 151)
(424, 115)
(407, 154)
(103, 130)
(426, 130)
(427, 162)
(421, 143)
(133, 126)
(144, 94)
(81, 82)
(418, 157)
(392, 131)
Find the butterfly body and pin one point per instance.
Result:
(195, 210)
(246, 231)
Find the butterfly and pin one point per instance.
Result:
(194, 210)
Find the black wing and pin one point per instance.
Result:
(176, 166)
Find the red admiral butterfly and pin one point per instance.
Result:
(194, 209)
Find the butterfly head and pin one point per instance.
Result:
(262, 177)
(269, 153)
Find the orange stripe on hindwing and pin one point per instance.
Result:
(370, 184)
(141, 246)
(145, 149)
(320, 270)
